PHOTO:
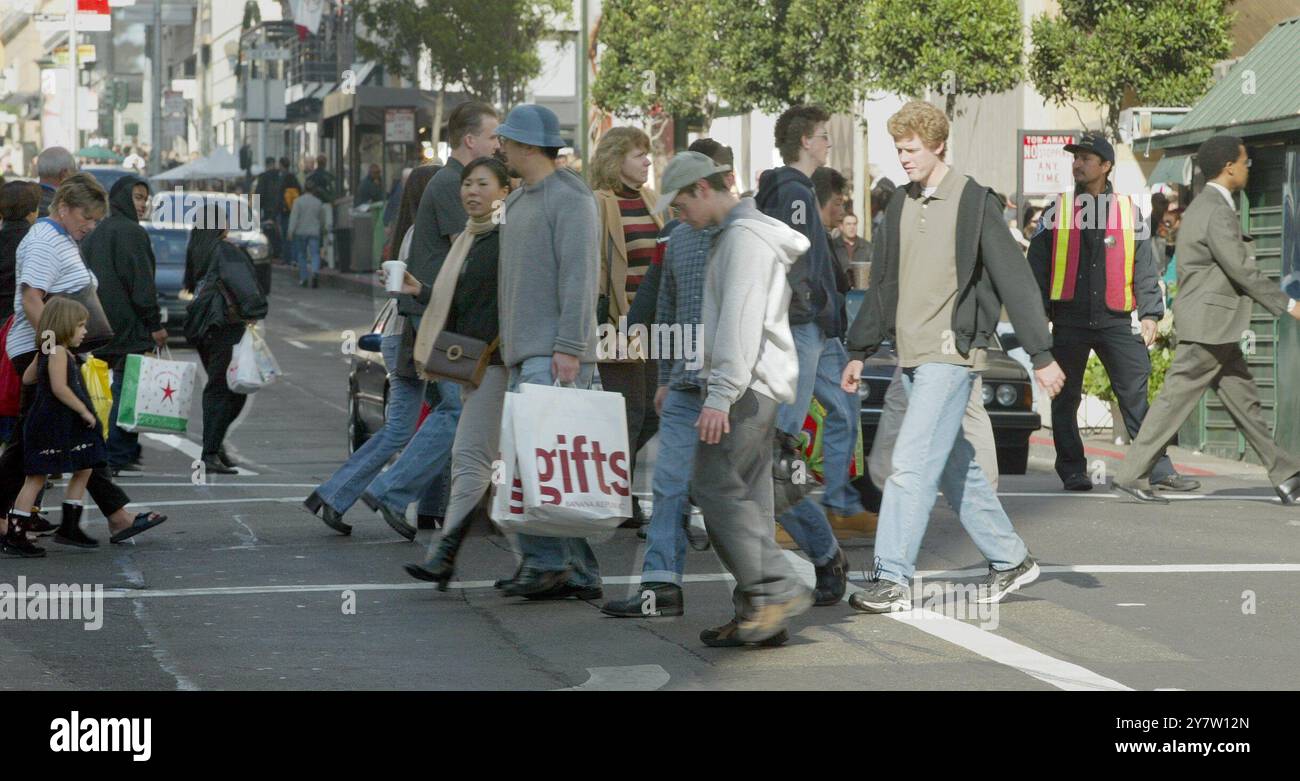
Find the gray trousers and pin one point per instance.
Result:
(1196, 367)
(732, 483)
(478, 436)
(976, 426)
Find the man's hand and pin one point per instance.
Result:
(660, 395)
(1150, 329)
(160, 337)
(1050, 378)
(1295, 311)
(712, 425)
(564, 368)
(851, 377)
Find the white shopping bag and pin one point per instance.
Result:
(571, 471)
(156, 394)
(252, 367)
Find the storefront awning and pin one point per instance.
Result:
(1172, 169)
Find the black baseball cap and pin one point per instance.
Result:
(1095, 143)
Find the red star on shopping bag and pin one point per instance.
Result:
(168, 390)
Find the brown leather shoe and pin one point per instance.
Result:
(863, 523)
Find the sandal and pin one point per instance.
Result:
(142, 523)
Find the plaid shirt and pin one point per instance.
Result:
(684, 263)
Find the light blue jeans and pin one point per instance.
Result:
(307, 251)
(665, 554)
(345, 486)
(555, 553)
(932, 454)
(424, 458)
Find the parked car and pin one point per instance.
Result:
(169, 243)
(107, 175)
(1008, 397)
(169, 209)
(368, 381)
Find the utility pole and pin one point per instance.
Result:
(155, 100)
(72, 73)
(584, 132)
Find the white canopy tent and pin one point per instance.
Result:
(221, 164)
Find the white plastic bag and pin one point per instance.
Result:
(567, 466)
(252, 367)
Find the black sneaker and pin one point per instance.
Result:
(726, 636)
(1003, 582)
(566, 590)
(882, 596)
(832, 581)
(651, 600)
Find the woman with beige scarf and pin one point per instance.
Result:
(463, 301)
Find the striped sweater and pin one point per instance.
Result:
(639, 233)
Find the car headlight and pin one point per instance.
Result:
(987, 394)
(1007, 395)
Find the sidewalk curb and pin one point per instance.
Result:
(362, 282)
(1186, 462)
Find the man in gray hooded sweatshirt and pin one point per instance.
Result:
(751, 367)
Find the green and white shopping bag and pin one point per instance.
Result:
(156, 394)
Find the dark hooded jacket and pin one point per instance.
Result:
(787, 194)
(119, 253)
(12, 233)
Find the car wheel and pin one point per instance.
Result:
(357, 434)
(1013, 460)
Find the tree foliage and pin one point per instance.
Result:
(1156, 52)
(489, 47)
(953, 47)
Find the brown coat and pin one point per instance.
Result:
(613, 249)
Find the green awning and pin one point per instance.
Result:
(1257, 97)
(1172, 169)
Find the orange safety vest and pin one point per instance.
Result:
(1120, 244)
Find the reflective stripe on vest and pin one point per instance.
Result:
(1120, 244)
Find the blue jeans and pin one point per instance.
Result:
(932, 454)
(344, 487)
(307, 251)
(555, 553)
(123, 446)
(665, 554)
(424, 458)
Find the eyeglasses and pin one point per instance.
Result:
(826, 136)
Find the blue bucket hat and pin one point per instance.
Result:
(532, 124)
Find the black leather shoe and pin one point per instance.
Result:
(638, 519)
(213, 465)
(1289, 490)
(1133, 492)
(332, 518)
(530, 580)
(391, 517)
(223, 457)
(566, 590)
(651, 600)
(1077, 482)
(1176, 482)
(832, 581)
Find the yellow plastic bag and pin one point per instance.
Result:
(94, 375)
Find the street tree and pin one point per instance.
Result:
(1153, 52)
(949, 47)
(488, 48)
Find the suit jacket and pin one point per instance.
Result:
(1217, 276)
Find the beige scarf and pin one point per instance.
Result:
(444, 288)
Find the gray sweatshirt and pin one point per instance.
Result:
(746, 337)
(307, 218)
(548, 270)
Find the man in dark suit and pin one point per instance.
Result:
(1217, 282)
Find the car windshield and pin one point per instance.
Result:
(169, 246)
(230, 211)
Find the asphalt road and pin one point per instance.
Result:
(241, 589)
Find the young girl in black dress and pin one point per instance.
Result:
(61, 432)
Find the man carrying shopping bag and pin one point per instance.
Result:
(751, 367)
(547, 286)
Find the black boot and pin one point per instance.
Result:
(70, 532)
(651, 600)
(15, 543)
(442, 566)
(832, 581)
(638, 519)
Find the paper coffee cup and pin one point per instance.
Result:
(394, 273)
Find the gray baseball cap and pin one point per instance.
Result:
(684, 170)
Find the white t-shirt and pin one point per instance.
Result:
(47, 259)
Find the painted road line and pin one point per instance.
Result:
(297, 344)
(636, 678)
(1111, 569)
(1165, 494)
(1048, 669)
(190, 448)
